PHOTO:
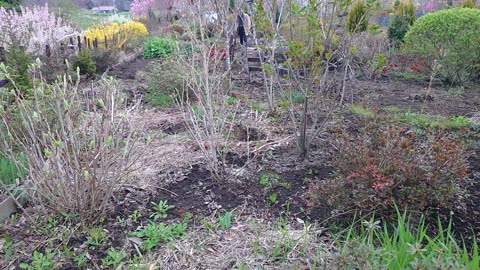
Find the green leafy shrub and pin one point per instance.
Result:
(156, 47)
(389, 165)
(85, 63)
(357, 19)
(449, 39)
(468, 4)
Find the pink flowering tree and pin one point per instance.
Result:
(32, 28)
(141, 8)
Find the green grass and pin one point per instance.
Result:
(425, 121)
(456, 91)
(158, 99)
(10, 172)
(291, 98)
(361, 110)
(403, 246)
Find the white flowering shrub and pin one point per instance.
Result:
(32, 28)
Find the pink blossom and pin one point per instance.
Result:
(429, 6)
(140, 8)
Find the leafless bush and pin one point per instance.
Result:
(208, 117)
(79, 145)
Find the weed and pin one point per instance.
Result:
(456, 91)
(114, 258)
(256, 106)
(81, 259)
(158, 99)
(40, 262)
(401, 247)
(14, 217)
(160, 209)
(291, 98)
(10, 171)
(136, 215)
(271, 180)
(210, 226)
(424, 121)
(264, 180)
(361, 110)
(7, 246)
(272, 198)
(97, 237)
(225, 221)
(121, 220)
(187, 217)
(155, 233)
(232, 101)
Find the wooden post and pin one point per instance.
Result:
(79, 43)
(48, 53)
(95, 43)
(71, 41)
(88, 44)
(106, 44)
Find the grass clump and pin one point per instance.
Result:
(12, 170)
(422, 121)
(402, 247)
(361, 110)
(158, 99)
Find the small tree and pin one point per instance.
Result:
(357, 19)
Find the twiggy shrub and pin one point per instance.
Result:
(388, 165)
(450, 40)
(79, 145)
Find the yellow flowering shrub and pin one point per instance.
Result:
(117, 34)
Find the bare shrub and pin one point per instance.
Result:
(367, 47)
(79, 145)
(207, 115)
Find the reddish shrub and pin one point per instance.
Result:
(388, 165)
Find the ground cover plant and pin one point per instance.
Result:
(328, 141)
